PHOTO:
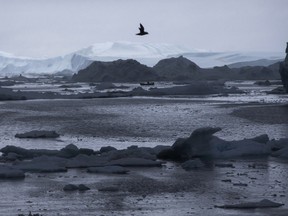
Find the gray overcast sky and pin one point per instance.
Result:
(42, 28)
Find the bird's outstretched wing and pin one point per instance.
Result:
(141, 28)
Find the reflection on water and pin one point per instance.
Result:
(152, 191)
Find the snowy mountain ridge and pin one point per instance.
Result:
(145, 53)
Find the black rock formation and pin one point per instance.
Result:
(181, 68)
(197, 145)
(177, 69)
(171, 69)
(115, 71)
(283, 69)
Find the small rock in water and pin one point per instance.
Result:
(226, 180)
(240, 184)
(225, 165)
(38, 134)
(265, 203)
(70, 187)
(83, 187)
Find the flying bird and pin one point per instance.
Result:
(142, 31)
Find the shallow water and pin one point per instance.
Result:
(145, 121)
(153, 191)
(122, 122)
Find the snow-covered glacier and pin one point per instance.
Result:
(145, 53)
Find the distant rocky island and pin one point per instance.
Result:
(116, 71)
(171, 69)
(190, 78)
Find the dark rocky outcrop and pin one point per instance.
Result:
(204, 144)
(258, 72)
(284, 71)
(177, 69)
(181, 68)
(9, 94)
(115, 71)
(197, 145)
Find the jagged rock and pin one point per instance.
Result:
(265, 203)
(197, 145)
(202, 143)
(38, 134)
(108, 170)
(192, 164)
(8, 172)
